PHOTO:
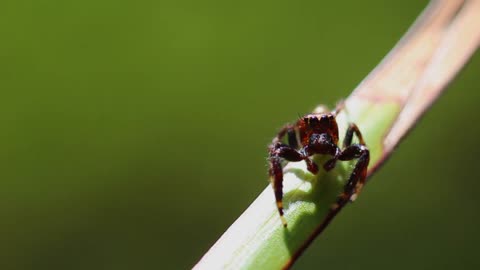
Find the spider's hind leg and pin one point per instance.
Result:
(352, 129)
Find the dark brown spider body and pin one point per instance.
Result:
(317, 133)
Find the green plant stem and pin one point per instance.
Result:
(385, 106)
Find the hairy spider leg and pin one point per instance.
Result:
(356, 181)
(352, 128)
(347, 141)
(288, 152)
(352, 151)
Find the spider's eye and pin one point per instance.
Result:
(313, 121)
(324, 119)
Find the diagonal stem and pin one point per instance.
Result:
(385, 106)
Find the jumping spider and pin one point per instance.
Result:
(317, 133)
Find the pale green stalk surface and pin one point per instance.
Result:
(384, 106)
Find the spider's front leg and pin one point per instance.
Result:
(357, 178)
(352, 151)
(279, 151)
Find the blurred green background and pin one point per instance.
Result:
(134, 132)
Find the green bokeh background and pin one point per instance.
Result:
(134, 132)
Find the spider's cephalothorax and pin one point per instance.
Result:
(313, 134)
